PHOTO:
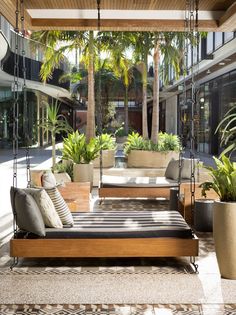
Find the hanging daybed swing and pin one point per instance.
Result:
(99, 234)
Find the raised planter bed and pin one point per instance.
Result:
(108, 159)
(150, 159)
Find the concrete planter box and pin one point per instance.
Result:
(108, 159)
(224, 227)
(150, 159)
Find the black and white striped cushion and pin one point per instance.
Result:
(60, 206)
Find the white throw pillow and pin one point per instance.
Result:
(48, 180)
(172, 170)
(46, 207)
(60, 206)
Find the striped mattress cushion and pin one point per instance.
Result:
(124, 224)
(140, 181)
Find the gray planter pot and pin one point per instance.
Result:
(224, 227)
(203, 215)
(83, 173)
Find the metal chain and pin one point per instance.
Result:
(25, 101)
(193, 31)
(100, 110)
(15, 114)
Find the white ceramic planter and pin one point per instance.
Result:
(150, 159)
(108, 159)
(224, 228)
(83, 173)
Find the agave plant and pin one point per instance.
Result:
(228, 136)
(224, 179)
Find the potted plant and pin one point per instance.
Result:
(224, 214)
(81, 154)
(145, 153)
(108, 145)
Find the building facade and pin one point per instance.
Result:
(215, 83)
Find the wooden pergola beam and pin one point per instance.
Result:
(119, 24)
(228, 20)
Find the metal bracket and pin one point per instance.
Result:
(193, 264)
(15, 263)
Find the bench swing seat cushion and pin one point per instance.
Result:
(123, 224)
(109, 181)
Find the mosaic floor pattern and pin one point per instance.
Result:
(113, 309)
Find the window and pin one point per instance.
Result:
(228, 36)
(218, 39)
(210, 39)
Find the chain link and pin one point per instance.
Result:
(99, 91)
(25, 101)
(191, 31)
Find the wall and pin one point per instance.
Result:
(171, 115)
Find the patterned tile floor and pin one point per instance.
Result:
(112, 309)
(173, 266)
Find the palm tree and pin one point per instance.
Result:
(70, 40)
(117, 44)
(169, 45)
(55, 124)
(143, 44)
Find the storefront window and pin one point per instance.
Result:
(6, 118)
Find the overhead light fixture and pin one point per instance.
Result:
(221, 63)
(208, 71)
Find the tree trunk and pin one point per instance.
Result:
(155, 109)
(53, 151)
(144, 107)
(126, 110)
(90, 130)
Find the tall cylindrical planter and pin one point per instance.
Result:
(83, 173)
(224, 228)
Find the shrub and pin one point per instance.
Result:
(106, 142)
(167, 142)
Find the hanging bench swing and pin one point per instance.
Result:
(98, 234)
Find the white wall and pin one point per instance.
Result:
(171, 115)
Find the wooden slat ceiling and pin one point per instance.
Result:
(210, 5)
(223, 20)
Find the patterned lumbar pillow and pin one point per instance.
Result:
(60, 206)
(46, 206)
(28, 215)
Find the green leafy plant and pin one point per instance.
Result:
(64, 168)
(77, 150)
(224, 179)
(120, 132)
(55, 124)
(106, 142)
(228, 135)
(167, 142)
